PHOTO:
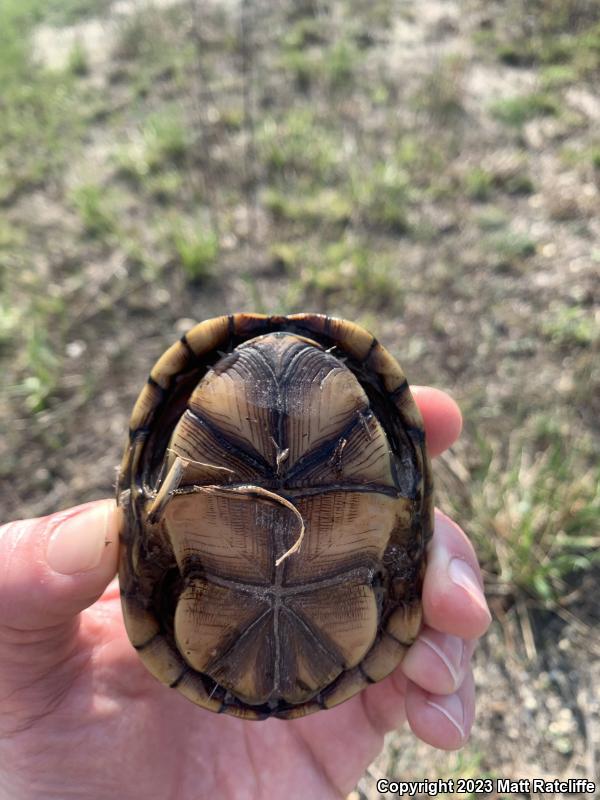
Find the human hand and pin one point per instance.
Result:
(81, 717)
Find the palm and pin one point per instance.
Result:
(140, 740)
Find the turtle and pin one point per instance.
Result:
(277, 502)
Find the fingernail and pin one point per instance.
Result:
(450, 653)
(79, 539)
(451, 707)
(462, 575)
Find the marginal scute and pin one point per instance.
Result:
(242, 711)
(383, 658)
(316, 323)
(404, 623)
(301, 710)
(208, 335)
(192, 687)
(250, 429)
(247, 325)
(173, 361)
(388, 369)
(163, 661)
(409, 410)
(145, 406)
(354, 339)
(141, 625)
(349, 684)
(130, 461)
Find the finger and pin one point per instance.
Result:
(453, 599)
(441, 416)
(53, 567)
(443, 721)
(438, 662)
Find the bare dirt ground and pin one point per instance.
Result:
(429, 169)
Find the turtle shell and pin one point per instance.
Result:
(277, 499)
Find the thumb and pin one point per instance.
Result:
(53, 567)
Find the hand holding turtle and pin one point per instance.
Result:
(80, 716)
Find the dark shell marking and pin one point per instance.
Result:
(280, 572)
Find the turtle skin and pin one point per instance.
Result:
(278, 501)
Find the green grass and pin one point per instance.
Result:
(560, 36)
(284, 255)
(196, 252)
(345, 271)
(516, 111)
(509, 249)
(40, 115)
(160, 146)
(165, 187)
(298, 143)
(39, 118)
(492, 218)
(319, 207)
(137, 36)
(27, 13)
(32, 335)
(10, 235)
(43, 370)
(149, 49)
(420, 167)
(165, 137)
(518, 183)
(382, 195)
(68, 12)
(303, 33)
(340, 62)
(535, 517)
(301, 66)
(376, 193)
(557, 76)
(571, 326)
(479, 184)
(78, 60)
(377, 14)
(442, 91)
(10, 319)
(95, 209)
(373, 283)
(333, 65)
(131, 161)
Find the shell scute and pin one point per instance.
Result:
(208, 335)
